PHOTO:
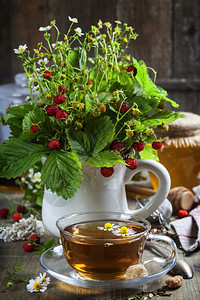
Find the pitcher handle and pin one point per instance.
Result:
(163, 189)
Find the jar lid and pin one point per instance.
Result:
(183, 132)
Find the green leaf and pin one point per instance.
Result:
(15, 117)
(99, 132)
(17, 156)
(61, 173)
(36, 116)
(73, 58)
(83, 59)
(157, 119)
(148, 153)
(105, 159)
(79, 143)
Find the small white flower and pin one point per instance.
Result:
(45, 28)
(20, 49)
(36, 286)
(113, 227)
(43, 62)
(38, 177)
(56, 44)
(43, 279)
(78, 30)
(30, 172)
(73, 20)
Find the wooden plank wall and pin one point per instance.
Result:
(169, 36)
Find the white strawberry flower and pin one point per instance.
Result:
(20, 49)
(43, 62)
(45, 28)
(73, 20)
(78, 30)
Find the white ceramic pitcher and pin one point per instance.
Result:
(99, 193)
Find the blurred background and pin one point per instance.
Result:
(169, 36)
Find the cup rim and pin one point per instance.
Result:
(148, 224)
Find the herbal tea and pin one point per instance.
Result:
(102, 250)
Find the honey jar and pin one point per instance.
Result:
(180, 153)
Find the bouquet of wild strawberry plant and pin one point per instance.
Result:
(90, 103)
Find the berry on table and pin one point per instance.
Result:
(28, 247)
(132, 163)
(19, 208)
(4, 212)
(34, 128)
(123, 107)
(17, 217)
(156, 145)
(138, 146)
(52, 110)
(107, 171)
(54, 144)
(182, 213)
(34, 238)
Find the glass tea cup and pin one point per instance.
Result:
(102, 245)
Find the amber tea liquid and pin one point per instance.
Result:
(100, 253)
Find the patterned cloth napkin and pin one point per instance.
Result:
(188, 230)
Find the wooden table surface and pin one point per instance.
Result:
(12, 253)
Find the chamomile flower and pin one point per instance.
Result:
(36, 286)
(124, 231)
(20, 49)
(73, 20)
(78, 30)
(43, 279)
(108, 227)
(45, 28)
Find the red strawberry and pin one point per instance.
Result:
(19, 208)
(138, 146)
(34, 238)
(123, 107)
(54, 144)
(156, 145)
(59, 99)
(28, 247)
(90, 82)
(117, 146)
(107, 172)
(61, 89)
(47, 74)
(132, 69)
(52, 110)
(17, 217)
(34, 128)
(182, 213)
(61, 114)
(132, 163)
(4, 212)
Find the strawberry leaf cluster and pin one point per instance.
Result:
(86, 93)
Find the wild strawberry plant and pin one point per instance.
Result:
(90, 102)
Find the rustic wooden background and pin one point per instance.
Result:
(169, 36)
